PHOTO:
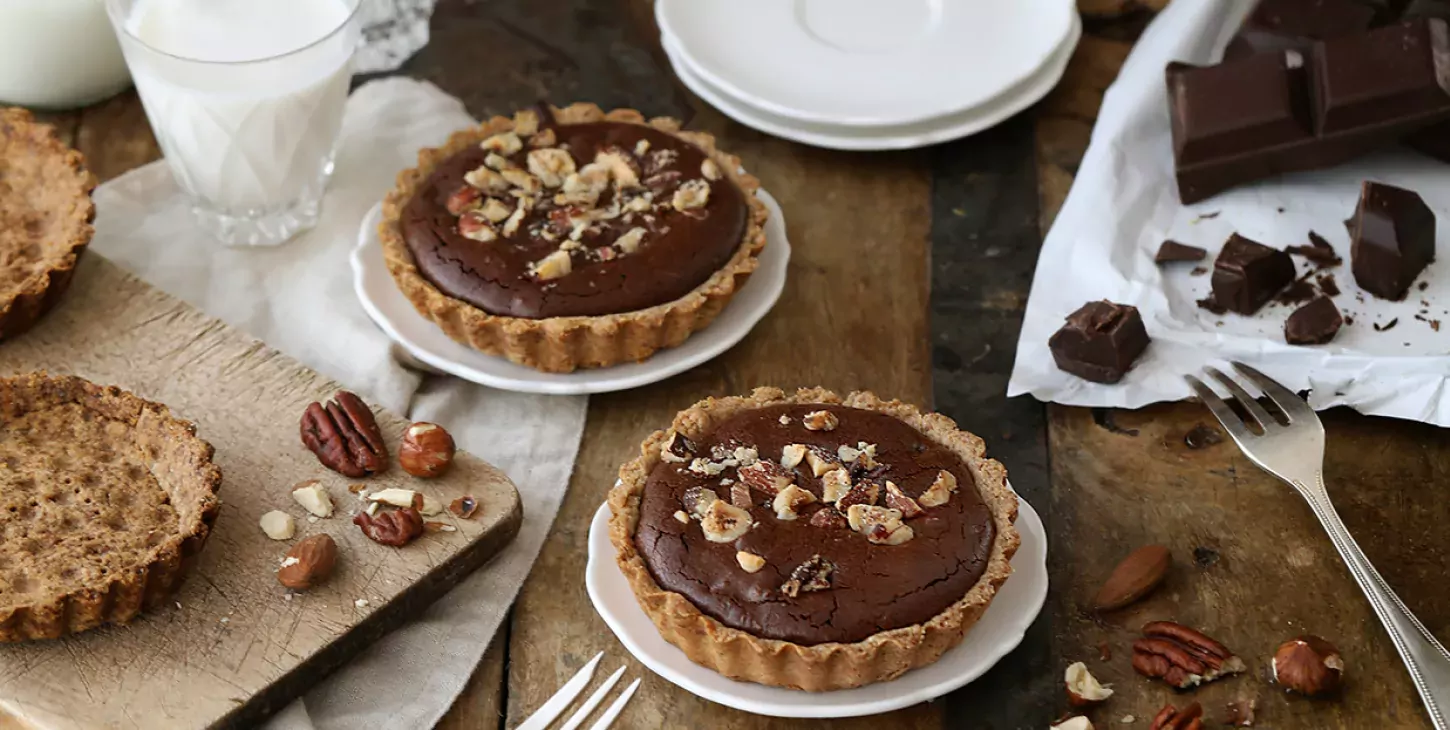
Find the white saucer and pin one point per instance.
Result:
(392, 312)
(866, 62)
(895, 137)
(998, 632)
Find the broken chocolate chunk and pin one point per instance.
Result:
(1247, 274)
(1314, 323)
(1172, 251)
(1318, 252)
(1394, 239)
(1100, 341)
(1328, 285)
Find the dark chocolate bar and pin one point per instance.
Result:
(1287, 111)
(1314, 323)
(1247, 274)
(1394, 239)
(1281, 25)
(1100, 341)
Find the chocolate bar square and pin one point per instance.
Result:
(1386, 73)
(1100, 341)
(1247, 274)
(1394, 239)
(1236, 107)
(1278, 25)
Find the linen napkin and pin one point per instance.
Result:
(298, 298)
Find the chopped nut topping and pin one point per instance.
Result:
(544, 138)
(641, 147)
(710, 170)
(819, 462)
(639, 203)
(553, 266)
(835, 485)
(523, 181)
(495, 161)
(526, 122)
(791, 455)
(880, 525)
(828, 518)
(620, 167)
(463, 200)
(765, 476)
(790, 500)
(698, 499)
(511, 226)
(745, 455)
(659, 160)
(584, 186)
(551, 166)
(682, 516)
(504, 143)
(740, 494)
(862, 493)
(486, 180)
(724, 522)
(812, 575)
(691, 195)
(785, 420)
(677, 449)
(706, 468)
(749, 562)
(897, 500)
(474, 226)
(821, 421)
(940, 491)
(629, 241)
(495, 211)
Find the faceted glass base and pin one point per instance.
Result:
(266, 227)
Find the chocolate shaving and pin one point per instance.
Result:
(1319, 252)
(1388, 326)
(1328, 285)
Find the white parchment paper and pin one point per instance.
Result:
(1124, 203)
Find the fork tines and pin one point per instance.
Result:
(1250, 411)
(571, 690)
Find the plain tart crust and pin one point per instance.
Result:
(45, 218)
(134, 449)
(821, 667)
(565, 344)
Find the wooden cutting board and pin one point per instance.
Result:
(233, 647)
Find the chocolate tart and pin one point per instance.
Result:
(105, 502)
(573, 238)
(45, 218)
(810, 541)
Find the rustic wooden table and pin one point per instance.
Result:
(909, 278)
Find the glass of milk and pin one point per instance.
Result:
(246, 100)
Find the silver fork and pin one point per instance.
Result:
(554, 706)
(1295, 454)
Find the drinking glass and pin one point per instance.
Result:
(251, 142)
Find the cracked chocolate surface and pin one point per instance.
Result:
(874, 588)
(682, 249)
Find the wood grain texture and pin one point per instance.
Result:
(234, 647)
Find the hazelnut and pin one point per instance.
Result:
(313, 497)
(897, 499)
(821, 421)
(1083, 689)
(279, 525)
(1308, 665)
(766, 477)
(820, 463)
(308, 563)
(835, 485)
(792, 455)
(790, 500)
(880, 525)
(940, 491)
(696, 500)
(749, 562)
(683, 518)
(724, 522)
(427, 450)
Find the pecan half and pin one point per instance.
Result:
(1172, 718)
(812, 575)
(396, 527)
(1181, 656)
(345, 436)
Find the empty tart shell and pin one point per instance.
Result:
(106, 500)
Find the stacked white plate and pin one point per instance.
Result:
(869, 74)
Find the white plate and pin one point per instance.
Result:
(866, 62)
(396, 316)
(999, 631)
(895, 137)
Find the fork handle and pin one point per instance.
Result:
(1424, 656)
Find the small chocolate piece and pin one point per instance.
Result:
(1247, 274)
(1314, 323)
(1172, 251)
(1319, 252)
(1394, 240)
(1100, 341)
(1387, 326)
(1328, 285)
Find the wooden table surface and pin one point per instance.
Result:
(909, 277)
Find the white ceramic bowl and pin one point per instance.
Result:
(395, 315)
(998, 632)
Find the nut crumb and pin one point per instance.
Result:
(710, 170)
(821, 421)
(749, 562)
(504, 143)
(682, 516)
(361, 603)
(357, 488)
(785, 420)
(435, 526)
(691, 195)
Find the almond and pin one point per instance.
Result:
(1135, 577)
(308, 563)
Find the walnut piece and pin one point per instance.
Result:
(504, 143)
(583, 187)
(691, 195)
(526, 122)
(511, 226)
(551, 166)
(880, 525)
(749, 562)
(897, 500)
(940, 491)
(543, 138)
(474, 226)
(765, 476)
(620, 167)
(698, 499)
(835, 485)
(463, 200)
(553, 266)
(812, 575)
(724, 522)
(495, 211)
(792, 455)
(523, 181)
(790, 500)
(495, 161)
(821, 421)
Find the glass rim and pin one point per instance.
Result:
(121, 25)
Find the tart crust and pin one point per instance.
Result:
(176, 462)
(565, 344)
(45, 218)
(821, 667)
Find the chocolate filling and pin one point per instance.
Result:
(874, 587)
(682, 249)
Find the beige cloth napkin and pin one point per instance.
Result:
(298, 298)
